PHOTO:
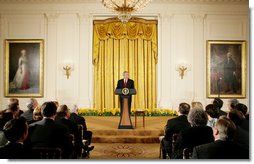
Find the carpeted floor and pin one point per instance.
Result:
(125, 151)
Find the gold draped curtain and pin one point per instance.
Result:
(118, 47)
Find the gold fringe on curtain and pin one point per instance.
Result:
(118, 47)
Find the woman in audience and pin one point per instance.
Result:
(198, 134)
(212, 114)
(219, 104)
(37, 116)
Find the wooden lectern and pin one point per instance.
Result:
(125, 98)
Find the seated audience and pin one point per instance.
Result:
(14, 109)
(212, 113)
(87, 135)
(242, 136)
(222, 147)
(243, 108)
(218, 104)
(63, 113)
(16, 131)
(28, 115)
(48, 133)
(232, 104)
(198, 134)
(174, 126)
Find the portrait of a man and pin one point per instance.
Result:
(24, 68)
(226, 69)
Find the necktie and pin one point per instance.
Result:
(124, 83)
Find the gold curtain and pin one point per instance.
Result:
(118, 47)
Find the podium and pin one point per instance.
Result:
(125, 103)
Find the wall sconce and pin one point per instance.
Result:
(182, 68)
(67, 68)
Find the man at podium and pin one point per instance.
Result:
(125, 100)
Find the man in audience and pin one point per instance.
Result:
(174, 126)
(31, 105)
(242, 136)
(87, 135)
(219, 103)
(232, 104)
(47, 133)
(243, 108)
(14, 109)
(16, 131)
(222, 147)
(4, 118)
(198, 134)
(63, 114)
(212, 113)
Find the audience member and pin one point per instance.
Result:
(63, 113)
(28, 115)
(232, 104)
(47, 133)
(37, 115)
(243, 108)
(242, 136)
(4, 118)
(14, 109)
(198, 134)
(16, 131)
(87, 135)
(219, 104)
(196, 104)
(222, 147)
(174, 126)
(212, 113)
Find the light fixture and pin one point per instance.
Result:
(124, 8)
(67, 67)
(182, 68)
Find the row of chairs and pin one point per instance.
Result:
(187, 153)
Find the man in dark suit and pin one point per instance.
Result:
(74, 117)
(218, 103)
(222, 147)
(198, 134)
(16, 131)
(28, 115)
(48, 133)
(174, 126)
(125, 83)
(230, 73)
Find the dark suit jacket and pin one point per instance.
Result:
(130, 84)
(14, 151)
(176, 125)
(222, 113)
(73, 129)
(48, 133)
(242, 138)
(192, 137)
(220, 150)
(28, 115)
(78, 120)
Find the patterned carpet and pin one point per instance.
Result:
(125, 151)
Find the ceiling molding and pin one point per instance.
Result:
(98, 1)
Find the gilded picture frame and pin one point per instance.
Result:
(24, 68)
(226, 69)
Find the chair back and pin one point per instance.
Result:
(47, 153)
(80, 130)
(187, 153)
(174, 138)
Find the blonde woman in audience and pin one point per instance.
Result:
(196, 104)
(37, 116)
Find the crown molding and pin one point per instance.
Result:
(98, 1)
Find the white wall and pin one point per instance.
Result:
(183, 29)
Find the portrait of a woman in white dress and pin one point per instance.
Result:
(21, 78)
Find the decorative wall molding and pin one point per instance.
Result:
(198, 17)
(52, 17)
(98, 1)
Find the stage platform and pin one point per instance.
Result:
(105, 129)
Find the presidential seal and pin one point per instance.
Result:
(125, 91)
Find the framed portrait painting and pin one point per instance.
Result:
(226, 69)
(24, 68)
